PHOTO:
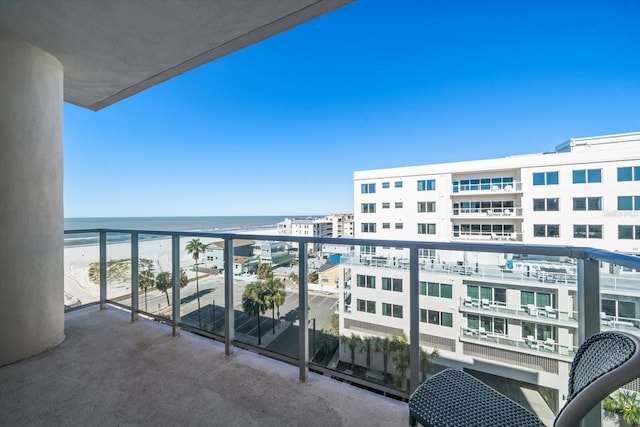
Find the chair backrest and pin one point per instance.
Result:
(603, 363)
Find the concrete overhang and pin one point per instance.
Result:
(112, 49)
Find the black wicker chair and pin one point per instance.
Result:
(605, 362)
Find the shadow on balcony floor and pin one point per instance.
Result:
(109, 371)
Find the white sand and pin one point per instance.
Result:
(77, 259)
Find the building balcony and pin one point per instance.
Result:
(484, 186)
(488, 213)
(545, 348)
(110, 371)
(486, 236)
(548, 315)
(208, 310)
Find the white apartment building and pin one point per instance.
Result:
(335, 225)
(503, 314)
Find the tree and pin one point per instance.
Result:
(163, 283)
(384, 346)
(184, 279)
(626, 404)
(367, 342)
(254, 302)
(275, 298)
(293, 277)
(265, 271)
(146, 281)
(401, 357)
(426, 360)
(351, 342)
(194, 248)
(313, 277)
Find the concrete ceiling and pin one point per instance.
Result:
(112, 49)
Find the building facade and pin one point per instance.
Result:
(504, 313)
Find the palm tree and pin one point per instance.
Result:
(426, 360)
(276, 296)
(163, 283)
(146, 281)
(265, 271)
(254, 302)
(401, 357)
(366, 346)
(384, 345)
(194, 248)
(184, 279)
(351, 342)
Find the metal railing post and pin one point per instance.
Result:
(414, 321)
(303, 303)
(103, 269)
(229, 318)
(175, 274)
(135, 278)
(589, 316)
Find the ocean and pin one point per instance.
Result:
(220, 224)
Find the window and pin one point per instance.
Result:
(629, 173)
(422, 206)
(366, 306)
(398, 205)
(385, 205)
(436, 317)
(629, 203)
(368, 250)
(363, 281)
(368, 208)
(546, 204)
(546, 230)
(399, 226)
(545, 178)
(538, 299)
(427, 185)
(368, 227)
(583, 176)
(386, 225)
(367, 188)
(390, 284)
(393, 310)
(385, 185)
(446, 319)
(433, 289)
(397, 184)
(431, 206)
(629, 232)
(587, 231)
(587, 203)
(426, 229)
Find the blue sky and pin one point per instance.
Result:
(279, 128)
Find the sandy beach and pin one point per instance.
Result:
(77, 259)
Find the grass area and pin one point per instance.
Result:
(118, 270)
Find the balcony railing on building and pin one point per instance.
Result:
(222, 318)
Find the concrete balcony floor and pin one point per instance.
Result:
(109, 371)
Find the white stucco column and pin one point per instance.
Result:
(31, 213)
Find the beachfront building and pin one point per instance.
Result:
(242, 255)
(505, 314)
(334, 225)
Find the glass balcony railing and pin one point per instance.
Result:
(542, 347)
(381, 319)
(492, 213)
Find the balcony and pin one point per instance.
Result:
(109, 371)
(545, 348)
(487, 213)
(485, 186)
(208, 312)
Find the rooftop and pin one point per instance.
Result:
(110, 371)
